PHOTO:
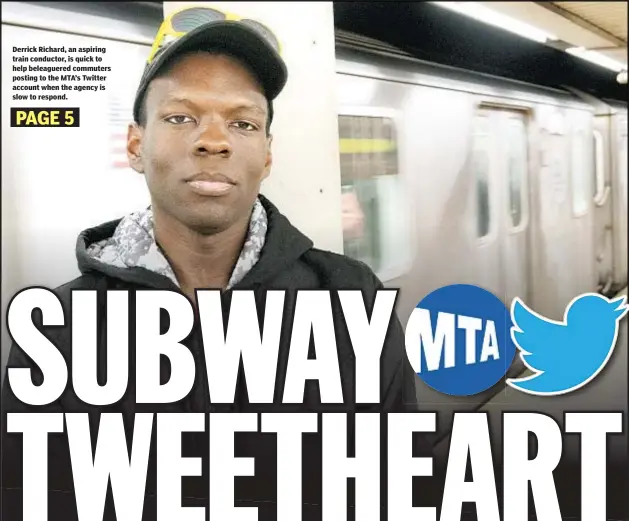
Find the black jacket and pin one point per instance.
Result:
(288, 262)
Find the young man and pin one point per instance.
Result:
(201, 138)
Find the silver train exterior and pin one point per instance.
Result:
(463, 178)
(466, 178)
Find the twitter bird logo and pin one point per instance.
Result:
(565, 355)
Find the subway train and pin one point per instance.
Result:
(448, 177)
(454, 177)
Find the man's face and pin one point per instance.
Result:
(204, 149)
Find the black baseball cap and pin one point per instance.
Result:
(208, 29)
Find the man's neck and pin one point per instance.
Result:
(199, 260)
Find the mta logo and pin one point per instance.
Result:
(457, 340)
(461, 340)
(565, 356)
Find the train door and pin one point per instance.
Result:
(603, 211)
(513, 202)
(619, 187)
(507, 201)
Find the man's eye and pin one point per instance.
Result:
(179, 119)
(243, 125)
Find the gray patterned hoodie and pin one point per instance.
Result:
(123, 257)
(133, 245)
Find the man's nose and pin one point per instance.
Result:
(213, 139)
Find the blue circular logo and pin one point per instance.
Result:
(458, 340)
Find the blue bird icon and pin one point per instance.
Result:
(565, 355)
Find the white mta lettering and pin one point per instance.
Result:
(441, 344)
(490, 343)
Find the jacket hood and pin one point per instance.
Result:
(264, 254)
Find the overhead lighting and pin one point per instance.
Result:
(597, 58)
(491, 17)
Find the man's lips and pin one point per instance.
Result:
(211, 185)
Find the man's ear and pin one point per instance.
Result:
(269, 158)
(134, 147)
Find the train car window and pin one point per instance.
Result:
(581, 163)
(518, 166)
(480, 169)
(372, 195)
